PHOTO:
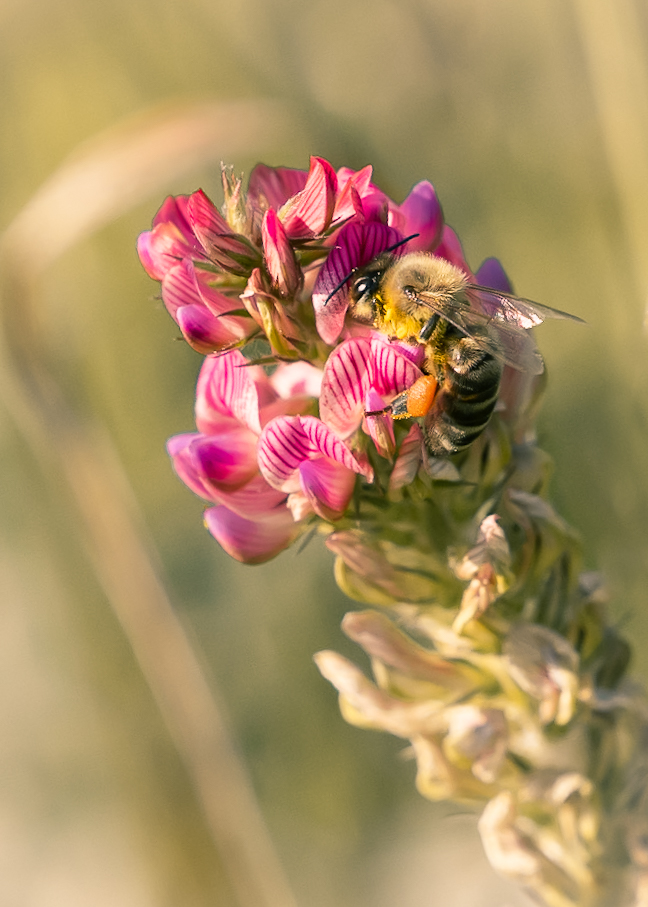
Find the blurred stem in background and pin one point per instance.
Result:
(98, 185)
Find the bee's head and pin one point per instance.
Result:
(365, 288)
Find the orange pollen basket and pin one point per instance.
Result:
(420, 395)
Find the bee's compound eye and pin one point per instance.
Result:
(362, 286)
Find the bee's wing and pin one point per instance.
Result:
(505, 339)
(515, 309)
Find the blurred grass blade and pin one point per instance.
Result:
(616, 52)
(103, 181)
(124, 167)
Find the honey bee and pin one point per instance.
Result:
(469, 333)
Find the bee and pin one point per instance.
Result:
(469, 333)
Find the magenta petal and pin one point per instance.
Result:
(351, 370)
(228, 388)
(327, 485)
(309, 213)
(356, 245)
(179, 449)
(200, 329)
(249, 541)
(450, 249)
(222, 462)
(422, 214)
(492, 274)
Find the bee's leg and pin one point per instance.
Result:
(428, 328)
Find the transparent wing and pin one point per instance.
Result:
(499, 322)
(515, 309)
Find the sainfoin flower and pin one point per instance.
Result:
(492, 655)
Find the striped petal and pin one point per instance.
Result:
(310, 212)
(231, 251)
(288, 441)
(247, 540)
(228, 388)
(273, 186)
(355, 367)
(356, 246)
(409, 459)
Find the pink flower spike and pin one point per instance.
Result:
(355, 367)
(310, 212)
(356, 245)
(248, 541)
(420, 213)
(327, 485)
(380, 427)
(280, 258)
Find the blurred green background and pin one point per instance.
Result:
(531, 121)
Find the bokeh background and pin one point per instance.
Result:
(531, 119)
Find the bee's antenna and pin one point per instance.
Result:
(339, 286)
(401, 242)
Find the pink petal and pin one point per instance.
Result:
(229, 389)
(231, 251)
(492, 274)
(327, 485)
(179, 286)
(309, 213)
(297, 379)
(352, 369)
(249, 541)
(356, 246)
(271, 187)
(163, 247)
(280, 258)
(409, 459)
(420, 213)
(351, 184)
